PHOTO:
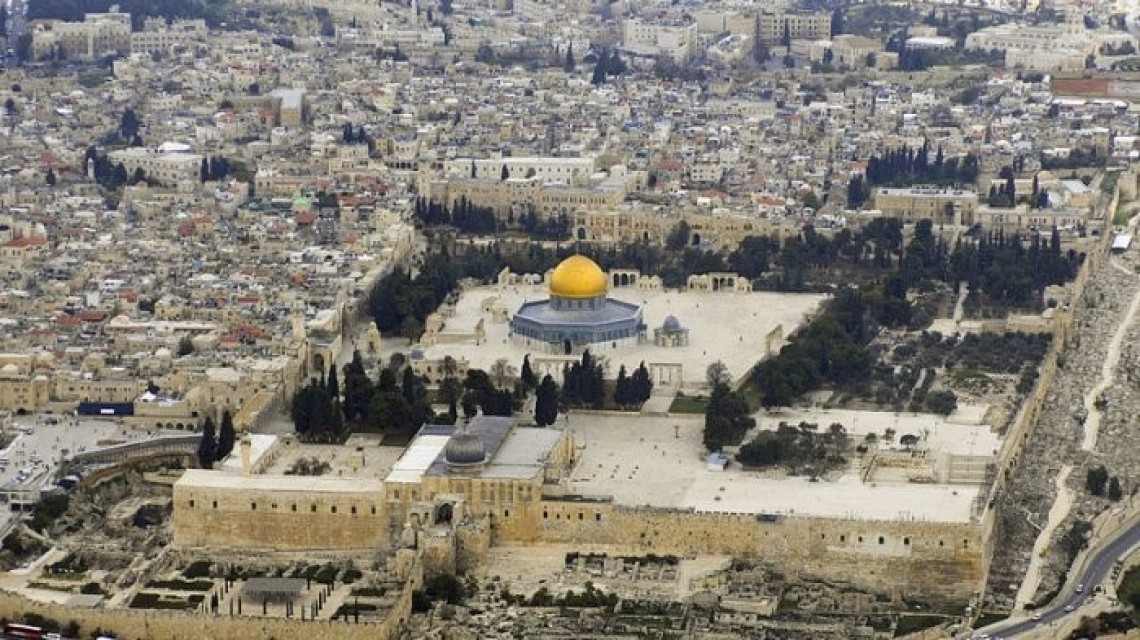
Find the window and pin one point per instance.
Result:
(333, 509)
(581, 516)
(860, 538)
(191, 504)
(313, 509)
(253, 506)
(352, 510)
(906, 541)
(215, 504)
(545, 515)
(843, 538)
(294, 508)
(373, 510)
(597, 517)
(506, 513)
(881, 540)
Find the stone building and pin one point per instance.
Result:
(455, 492)
(578, 312)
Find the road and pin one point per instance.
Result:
(1095, 570)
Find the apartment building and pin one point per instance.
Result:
(159, 37)
(100, 34)
(944, 206)
(677, 41)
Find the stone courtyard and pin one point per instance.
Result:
(726, 326)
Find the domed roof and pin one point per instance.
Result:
(578, 277)
(671, 323)
(464, 449)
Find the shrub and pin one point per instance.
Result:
(197, 569)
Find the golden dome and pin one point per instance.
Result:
(578, 277)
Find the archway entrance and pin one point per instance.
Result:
(566, 347)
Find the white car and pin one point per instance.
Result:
(1037, 617)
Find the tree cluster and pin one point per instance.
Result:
(727, 418)
(907, 167)
(213, 168)
(800, 448)
(215, 445)
(400, 303)
(465, 216)
(316, 410)
(1077, 159)
(583, 383)
(633, 390)
(1009, 273)
(542, 228)
(832, 349)
(1100, 484)
(109, 175)
(608, 64)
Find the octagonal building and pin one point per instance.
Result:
(578, 314)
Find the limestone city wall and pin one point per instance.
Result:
(281, 520)
(931, 559)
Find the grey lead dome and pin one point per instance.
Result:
(464, 448)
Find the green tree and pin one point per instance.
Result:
(622, 397)
(1096, 479)
(226, 435)
(717, 374)
(358, 389)
(546, 402)
(727, 418)
(601, 69)
(49, 179)
(526, 374)
(185, 346)
(678, 237)
(1115, 491)
(208, 445)
(641, 385)
(128, 124)
(569, 64)
(332, 383)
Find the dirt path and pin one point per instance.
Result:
(1107, 374)
(1057, 514)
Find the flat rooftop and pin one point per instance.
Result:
(725, 326)
(378, 459)
(659, 461)
(204, 478)
(961, 435)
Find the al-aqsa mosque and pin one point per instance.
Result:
(578, 313)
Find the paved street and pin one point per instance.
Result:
(1069, 602)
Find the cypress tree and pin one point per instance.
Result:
(546, 402)
(208, 446)
(226, 435)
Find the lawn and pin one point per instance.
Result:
(688, 404)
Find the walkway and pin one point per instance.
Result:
(1107, 374)
(1057, 514)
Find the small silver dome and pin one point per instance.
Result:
(464, 449)
(671, 323)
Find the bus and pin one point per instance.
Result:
(16, 630)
